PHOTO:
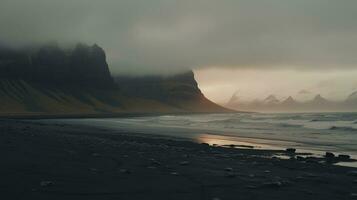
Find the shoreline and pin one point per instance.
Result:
(211, 137)
(60, 161)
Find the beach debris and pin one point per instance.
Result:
(205, 144)
(251, 187)
(95, 154)
(184, 163)
(273, 184)
(93, 169)
(344, 157)
(329, 155)
(46, 183)
(228, 169)
(125, 171)
(300, 158)
(230, 175)
(174, 173)
(352, 173)
(290, 150)
(155, 162)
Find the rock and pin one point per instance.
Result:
(290, 150)
(46, 183)
(228, 169)
(155, 162)
(125, 171)
(205, 144)
(174, 173)
(273, 184)
(344, 157)
(230, 175)
(267, 171)
(184, 163)
(352, 173)
(300, 158)
(95, 154)
(329, 155)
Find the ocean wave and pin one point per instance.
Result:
(342, 128)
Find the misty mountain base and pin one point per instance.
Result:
(51, 80)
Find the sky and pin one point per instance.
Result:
(294, 45)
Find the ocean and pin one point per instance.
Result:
(307, 132)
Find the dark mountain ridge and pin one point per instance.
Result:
(53, 80)
(83, 66)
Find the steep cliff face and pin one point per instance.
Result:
(180, 91)
(83, 66)
(78, 81)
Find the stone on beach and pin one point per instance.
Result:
(183, 163)
(329, 155)
(125, 171)
(290, 150)
(228, 169)
(46, 183)
(344, 157)
(352, 173)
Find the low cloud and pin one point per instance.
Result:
(163, 36)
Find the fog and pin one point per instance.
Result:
(163, 36)
(306, 42)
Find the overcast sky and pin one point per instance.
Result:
(162, 36)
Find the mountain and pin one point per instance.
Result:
(271, 100)
(233, 100)
(51, 80)
(290, 101)
(352, 98)
(180, 91)
(319, 100)
(49, 65)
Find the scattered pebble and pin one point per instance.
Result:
(329, 155)
(290, 150)
(230, 175)
(344, 157)
(174, 173)
(155, 162)
(352, 173)
(95, 154)
(46, 183)
(184, 163)
(273, 184)
(228, 169)
(125, 171)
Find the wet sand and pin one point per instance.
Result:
(58, 161)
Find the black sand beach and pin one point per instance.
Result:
(41, 161)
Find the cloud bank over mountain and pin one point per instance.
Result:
(163, 36)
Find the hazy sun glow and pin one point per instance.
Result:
(218, 84)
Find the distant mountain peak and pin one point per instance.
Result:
(289, 100)
(233, 99)
(271, 99)
(319, 99)
(352, 96)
